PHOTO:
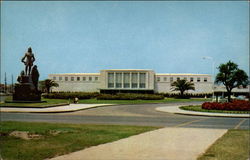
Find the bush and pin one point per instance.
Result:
(70, 95)
(130, 96)
(236, 105)
(89, 95)
(187, 95)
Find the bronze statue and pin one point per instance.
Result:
(28, 60)
(35, 76)
(19, 78)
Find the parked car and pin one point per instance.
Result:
(241, 97)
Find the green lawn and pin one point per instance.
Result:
(199, 109)
(166, 100)
(234, 145)
(49, 102)
(53, 102)
(71, 137)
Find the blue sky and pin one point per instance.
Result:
(85, 37)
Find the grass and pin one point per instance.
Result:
(48, 103)
(53, 102)
(166, 100)
(72, 137)
(199, 109)
(234, 145)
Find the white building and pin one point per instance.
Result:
(128, 80)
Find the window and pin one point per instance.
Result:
(158, 79)
(191, 79)
(118, 80)
(171, 79)
(110, 80)
(78, 78)
(90, 78)
(126, 80)
(178, 78)
(72, 78)
(198, 79)
(66, 78)
(142, 80)
(165, 79)
(84, 78)
(96, 78)
(205, 79)
(60, 78)
(134, 80)
(54, 78)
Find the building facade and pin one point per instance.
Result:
(128, 81)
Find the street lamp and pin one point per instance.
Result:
(213, 67)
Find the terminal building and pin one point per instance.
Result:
(129, 81)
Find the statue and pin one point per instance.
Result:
(28, 60)
(27, 87)
(35, 77)
(19, 78)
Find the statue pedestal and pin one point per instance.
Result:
(25, 90)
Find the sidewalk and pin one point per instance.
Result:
(177, 110)
(162, 144)
(67, 108)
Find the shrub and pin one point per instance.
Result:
(188, 95)
(236, 105)
(70, 95)
(130, 96)
(89, 95)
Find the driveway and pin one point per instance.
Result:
(140, 114)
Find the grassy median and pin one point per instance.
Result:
(50, 140)
(234, 145)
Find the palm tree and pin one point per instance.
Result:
(47, 84)
(182, 86)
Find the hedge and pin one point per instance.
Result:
(130, 96)
(187, 95)
(99, 96)
(70, 95)
(236, 105)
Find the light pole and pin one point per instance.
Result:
(213, 67)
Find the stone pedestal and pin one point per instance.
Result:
(25, 90)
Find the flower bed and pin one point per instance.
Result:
(237, 105)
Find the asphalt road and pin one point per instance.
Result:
(141, 114)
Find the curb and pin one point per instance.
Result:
(225, 116)
(204, 114)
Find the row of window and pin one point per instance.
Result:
(126, 80)
(75, 78)
(191, 79)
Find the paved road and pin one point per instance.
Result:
(142, 114)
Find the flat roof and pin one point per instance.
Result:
(181, 74)
(75, 74)
(127, 70)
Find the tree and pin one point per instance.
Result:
(231, 76)
(182, 86)
(47, 84)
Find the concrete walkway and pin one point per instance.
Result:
(162, 144)
(66, 108)
(177, 110)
